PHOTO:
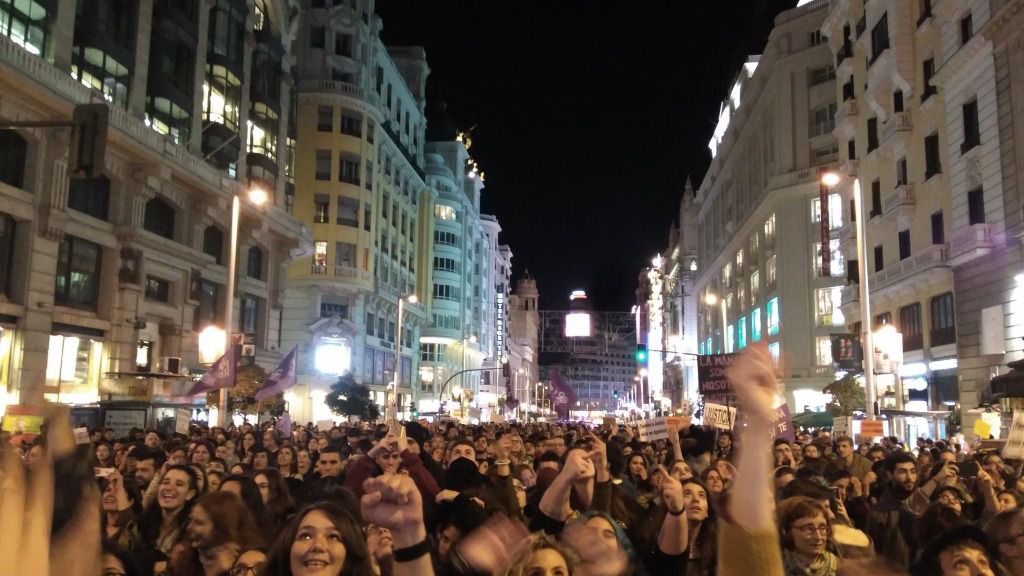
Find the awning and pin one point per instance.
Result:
(813, 419)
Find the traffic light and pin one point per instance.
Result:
(615, 394)
(641, 353)
(88, 140)
(414, 410)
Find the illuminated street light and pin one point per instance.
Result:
(390, 403)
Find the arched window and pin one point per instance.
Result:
(254, 263)
(12, 161)
(213, 243)
(159, 218)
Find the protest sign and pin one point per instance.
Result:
(182, 418)
(652, 429)
(1014, 447)
(719, 416)
(782, 427)
(711, 378)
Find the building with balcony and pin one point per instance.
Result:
(980, 75)
(768, 263)
(106, 281)
(360, 187)
(896, 143)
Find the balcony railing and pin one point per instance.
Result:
(971, 242)
(318, 269)
(933, 256)
(898, 122)
(331, 86)
(902, 196)
(847, 111)
(351, 272)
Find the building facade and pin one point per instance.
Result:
(359, 186)
(105, 282)
(523, 343)
(760, 272)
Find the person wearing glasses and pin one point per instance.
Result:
(249, 563)
(804, 533)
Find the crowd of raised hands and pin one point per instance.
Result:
(538, 499)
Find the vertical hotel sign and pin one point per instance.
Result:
(823, 216)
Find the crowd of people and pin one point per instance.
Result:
(519, 499)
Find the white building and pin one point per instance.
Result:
(759, 214)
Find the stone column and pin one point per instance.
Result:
(195, 144)
(62, 32)
(140, 76)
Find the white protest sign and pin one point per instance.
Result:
(841, 426)
(324, 425)
(719, 416)
(1014, 448)
(653, 429)
(182, 419)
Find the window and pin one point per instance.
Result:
(816, 38)
(975, 207)
(972, 129)
(446, 238)
(249, 307)
(755, 286)
(822, 75)
(876, 198)
(823, 350)
(352, 124)
(835, 211)
(78, 273)
(254, 263)
(323, 164)
(159, 218)
(773, 316)
(823, 120)
(89, 196)
(343, 45)
(443, 212)
(927, 73)
(769, 268)
(755, 325)
(367, 216)
(851, 149)
(901, 171)
(325, 119)
(836, 263)
(943, 320)
(25, 23)
(208, 296)
(222, 97)
(904, 240)
(897, 101)
(73, 363)
(158, 289)
(446, 264)
(349, 169)
(966, 28)
(883, 319)
(317, 37)
(320, 256)
(12, 166)
(880, 37)
(775, 349)
(345, 254)
(827, 301)
(97, 69)
(910, 327)
(321, 208)
(368, 176)
(7, 228)
(729, 338)
(369, 131)
(938, 229)
(932, 163)
(348, 211)
(213, 243)
(742, 333)
(445, 292)
(329, 308)
(769, 230)
(926, 10)
(872, 134)
(879, 262)
(727, 275)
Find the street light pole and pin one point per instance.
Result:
(391, 403)
(865, 304)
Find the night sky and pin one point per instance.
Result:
(587, 117)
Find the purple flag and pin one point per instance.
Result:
(220, 375)
(562, 395)
(284, 424)
(282, 378)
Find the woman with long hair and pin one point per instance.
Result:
(162, 524)
(122, 504)
(304, 465)
(286, 461)
(246, 488)
(276, 497)
(701, 522)
(636, 473)
(219, 526)
(104, 455)
(322, 539)
(246, 445)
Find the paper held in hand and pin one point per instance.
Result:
(1014, 447)
(719, 416)
(657, 428)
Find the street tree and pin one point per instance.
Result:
(350, 399)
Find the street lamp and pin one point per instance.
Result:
(832, 179)
(712, 299)
(393, 389)
(258, 197)
(465, 349)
